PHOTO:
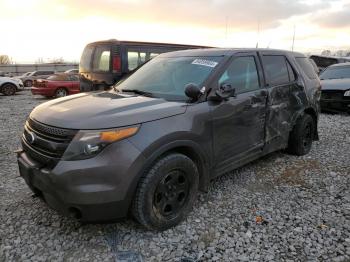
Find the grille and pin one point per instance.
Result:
(45, 144)
(332, 95)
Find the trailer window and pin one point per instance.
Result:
(135, 59)
(101, 61)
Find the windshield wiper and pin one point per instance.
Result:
(138, 92)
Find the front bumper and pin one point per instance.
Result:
(336, 105)
(92, 190)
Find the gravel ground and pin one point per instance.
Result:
(279, 208)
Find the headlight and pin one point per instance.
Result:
(88, 143)
(19, 81)
(347, 93)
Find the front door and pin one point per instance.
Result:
(238, 123)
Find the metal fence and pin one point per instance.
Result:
(19, 69)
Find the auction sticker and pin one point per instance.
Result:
(204, 62)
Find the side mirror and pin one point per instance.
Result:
(192, 91)
(225, 91)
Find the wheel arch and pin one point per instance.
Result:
(187, 148)
(8, 83)
(310, 111)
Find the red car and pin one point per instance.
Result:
(58, 85)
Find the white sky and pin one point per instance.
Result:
(32, 29)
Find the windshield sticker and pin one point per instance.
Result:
(204, 62)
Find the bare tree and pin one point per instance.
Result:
(5, 60)
(57, 60)
(39, 60)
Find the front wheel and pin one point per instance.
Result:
(302, 135)
(9, 89)
(165, 195)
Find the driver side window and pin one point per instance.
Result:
(242, 75)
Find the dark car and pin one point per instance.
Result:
(58, 85)
(146, 146)
(335, 81)
(323, 62)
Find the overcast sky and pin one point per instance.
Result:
(32, 29)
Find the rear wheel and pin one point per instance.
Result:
(166, 194)
(9, 89)
(61, 92)
(28, 83)
(302, 135)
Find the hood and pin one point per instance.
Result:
(5, 78)
(336, 84)
(10, 80)
(100, 110)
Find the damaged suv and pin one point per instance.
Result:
(148, 145)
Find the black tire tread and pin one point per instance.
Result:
(137, 205)
(295, 146)
(11, 85)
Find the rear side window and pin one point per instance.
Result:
(276, 69)
(307, 67)
(101, 60)
(85, 60)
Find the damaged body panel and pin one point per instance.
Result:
(144, 142)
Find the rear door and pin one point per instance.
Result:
(280, 80)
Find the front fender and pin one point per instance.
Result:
(174, 146)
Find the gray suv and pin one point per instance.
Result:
(148, 145)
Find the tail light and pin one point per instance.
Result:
(40, 83)
(116, 64)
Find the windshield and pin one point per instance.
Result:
(336, 73)
(167, 77)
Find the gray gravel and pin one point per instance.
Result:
(279, 208)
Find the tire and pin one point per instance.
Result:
(301, 137)
(166, 193)
(9, 89)
(28, 83)
(61, 92)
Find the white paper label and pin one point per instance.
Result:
(204, 62)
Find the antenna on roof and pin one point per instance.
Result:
(293, 39)
(258, 35)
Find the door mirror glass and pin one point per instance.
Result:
(225, 91)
